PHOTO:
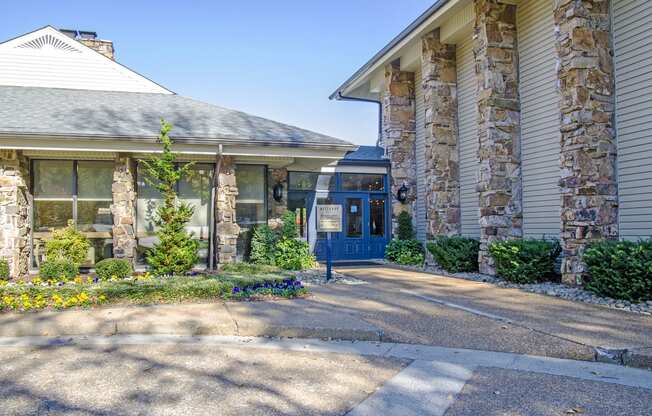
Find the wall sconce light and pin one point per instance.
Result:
(278, 192)
(401, 194)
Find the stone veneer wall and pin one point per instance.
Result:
(589, 206)
(439, 81)
(15, 225)
(275, 209)
(398, 136)
(499, 183)
(105, 47)
(123, 208)
(226, 228)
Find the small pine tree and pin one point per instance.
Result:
(262, 245)
(290, 229)
(176, 251)
(404, 230)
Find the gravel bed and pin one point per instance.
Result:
(576, 294)
(317, 276)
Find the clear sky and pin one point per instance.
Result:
(279, 59)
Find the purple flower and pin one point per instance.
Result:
(236, 290)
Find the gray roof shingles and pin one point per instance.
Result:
(68, 112)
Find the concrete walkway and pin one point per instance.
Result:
(399, 379)
(438, 310)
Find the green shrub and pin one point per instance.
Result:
(455, 254)
(4, 269)
(407, 252)
(525, 261)
(289, 229)
(620, 269)
(291, 254)
(404, 230)
(262, 245)
(57, 268)
(176, 252)
(118, 268)
(67, 244)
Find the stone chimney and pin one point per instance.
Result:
(90, 39)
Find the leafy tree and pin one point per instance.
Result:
(262, 245)
(290, 229)
(176, 251)
(404, 230)
(67, 244)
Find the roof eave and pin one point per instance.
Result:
(338, 93)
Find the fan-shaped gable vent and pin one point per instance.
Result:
(48, 42)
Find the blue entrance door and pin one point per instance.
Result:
(364, 230)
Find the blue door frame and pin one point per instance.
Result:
(360, 238)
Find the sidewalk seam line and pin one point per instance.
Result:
(235, 323)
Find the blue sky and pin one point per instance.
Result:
(277, 59)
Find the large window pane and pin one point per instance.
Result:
(354, 217)
(311, 181)
(250, 204)
(94, 216)
(377, 217)
(94, 179)
(49, 215)
(362, 182)
(53, 179)
(297, 203)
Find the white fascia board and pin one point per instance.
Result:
(434, 21)
(354, 169)
(58, 144)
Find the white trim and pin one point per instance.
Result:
(354, 169)
(48, 58)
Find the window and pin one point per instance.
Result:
(80, 191)
(297, 203)
(354, 217)
(311, 181)
(377, 217)
(250, 206)
(362, 182)
(194, 190)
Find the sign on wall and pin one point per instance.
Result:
(329, 218)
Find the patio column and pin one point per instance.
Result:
(15, 223)
(589, 204)
(499, 176)
(275, 209)
(439, 80)
(123, 208)
(399, 136)
(226, 228)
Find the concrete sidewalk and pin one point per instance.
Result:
(553, 321)
(288, 318)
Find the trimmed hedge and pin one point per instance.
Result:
(525, 261)
(109, 268)
(4, 269)
(55, 269)
(620, 269)
(455, 254)
(406, 252)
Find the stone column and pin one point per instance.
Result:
(15, 223)
(275, 209)
(439, 80)
(499, 176)
(589, 205)
(123, 208)
(226, 228)
(399, 136)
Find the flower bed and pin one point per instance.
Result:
(86, 291)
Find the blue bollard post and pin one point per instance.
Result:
(329, 257)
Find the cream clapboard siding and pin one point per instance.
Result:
(47, 58)
(420, 157)
(632, 35)
(540, 123)
(468, 138)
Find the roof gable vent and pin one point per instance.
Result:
(48, 42)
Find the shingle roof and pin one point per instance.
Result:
(67, 112)
(366, 153)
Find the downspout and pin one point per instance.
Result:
(213, 225)
(367, 100)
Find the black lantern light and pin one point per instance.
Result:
(278, 192)
(401, 194)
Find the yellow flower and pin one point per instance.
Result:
(37, 280)
(79, 280)
(101, 298)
